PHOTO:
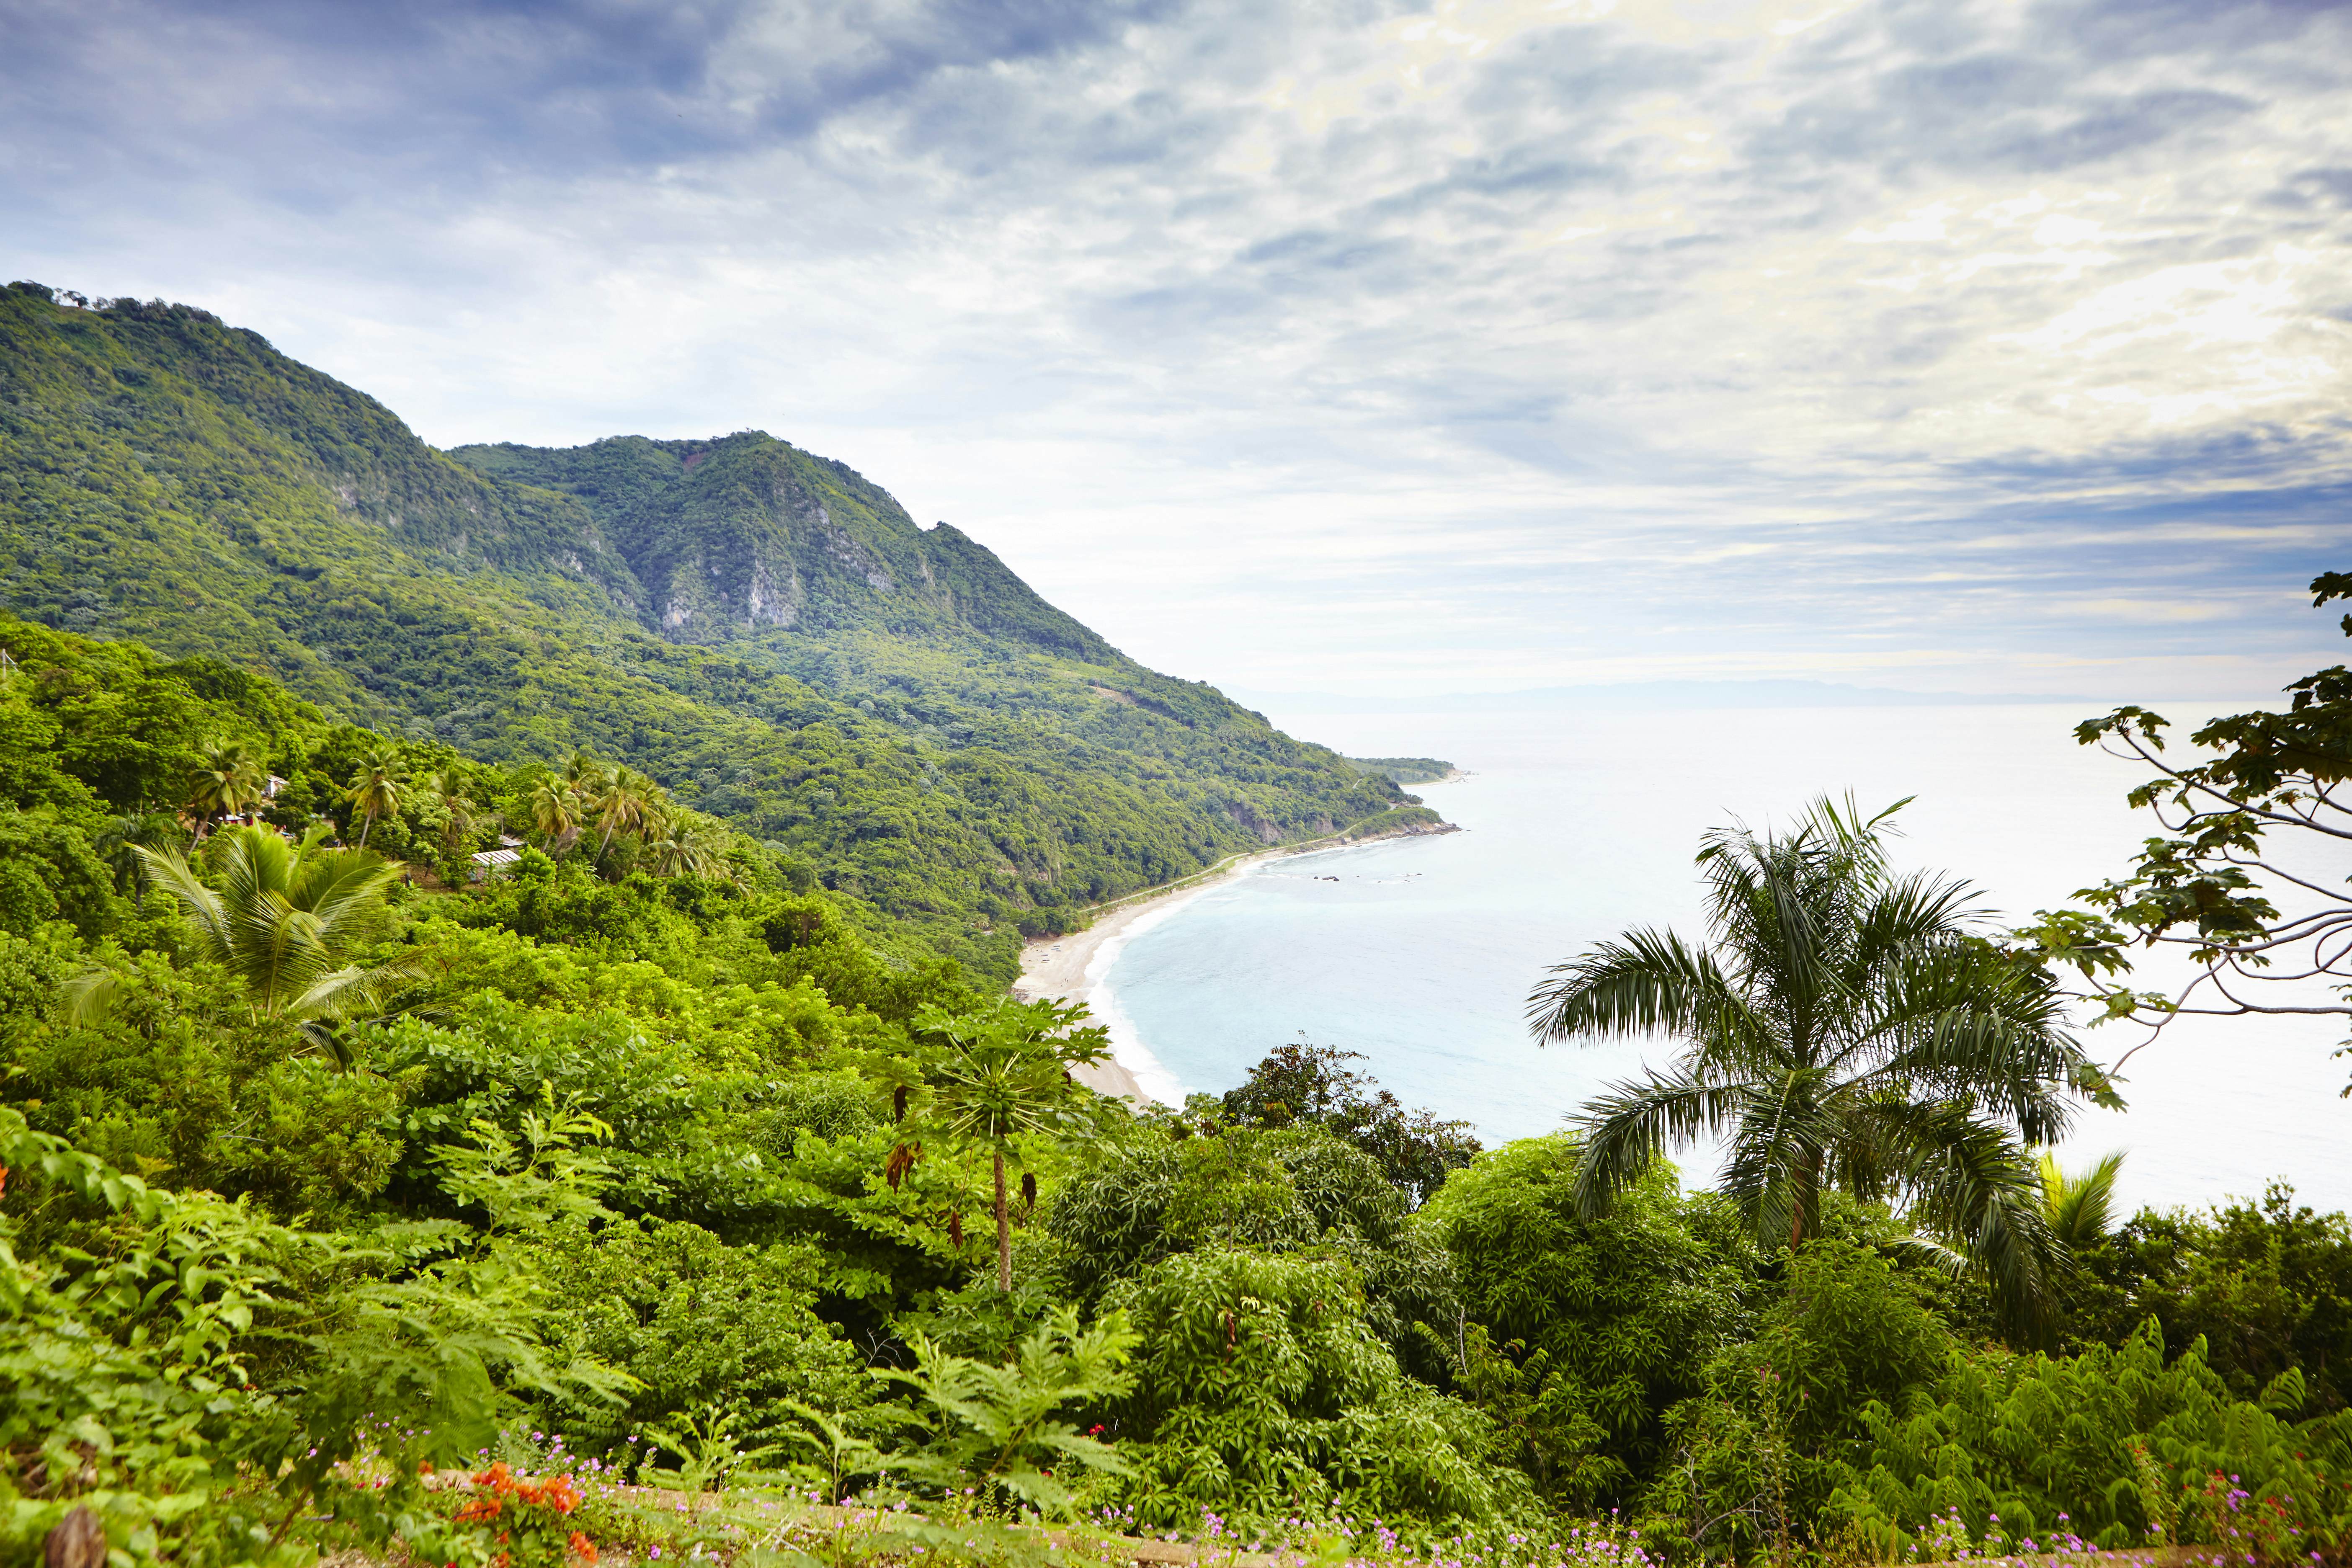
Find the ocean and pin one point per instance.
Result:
(1420, 952)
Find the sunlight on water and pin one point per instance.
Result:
(1420, 952)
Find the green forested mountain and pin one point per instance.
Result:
(764, 632)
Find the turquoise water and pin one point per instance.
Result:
(1420, 952)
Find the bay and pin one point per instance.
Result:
(1420, 952)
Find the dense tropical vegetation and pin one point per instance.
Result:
(494, 1096)
(327, 1164)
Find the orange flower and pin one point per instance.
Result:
(583, 1548)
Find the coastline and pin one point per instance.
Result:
(1065, 968)
(1073, 968)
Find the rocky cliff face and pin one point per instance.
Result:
(745, 534)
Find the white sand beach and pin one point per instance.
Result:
(1072, 968)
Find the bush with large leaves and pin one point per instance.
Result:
(1161, 1190)
(2265, 1286)
(205, 1375)
(1754, 1456)
(1580, 1333)
(703, 1328)
(1262, 1395)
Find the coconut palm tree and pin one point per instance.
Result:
(2080, 1208)
(1843, 1028)
(375, 789)
(994, 1079)
(683, 846)
(460, 814)
(228, 778)
(557, 814)
(626, 802)
(287, 920)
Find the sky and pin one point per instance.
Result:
(1358, 347)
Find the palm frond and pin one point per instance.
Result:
(352, 992)
(344, 889)
(1920, 908)
(1626, 1129)
(1849, 1031)
(2080, 1208)
(1784, 907)
(166, 869)
(1963, 1023)
(1926, 1252)
(1972, 1185)
(251, 863)
(285, 917)
(280, 952)
(89, 997)
(1648, 982)
(1784, 1138)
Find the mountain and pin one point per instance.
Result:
(764, 631)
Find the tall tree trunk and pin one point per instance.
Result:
(366, 821)
(1004, 1231)
(1808, 1185)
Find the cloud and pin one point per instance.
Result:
(1299, 346)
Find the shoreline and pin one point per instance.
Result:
(1072, 968)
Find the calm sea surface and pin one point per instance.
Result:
(1420, 952)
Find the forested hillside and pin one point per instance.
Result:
(763, 632)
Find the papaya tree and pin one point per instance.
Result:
(999, 1078)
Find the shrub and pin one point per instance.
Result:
(1262, 1395)
(1596, 1327)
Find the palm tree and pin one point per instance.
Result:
(683, 846)
(557, 813)
(375, 789)
(460, 814)
(997, 1077)
(626, 802)
(1843, 1029)
(118, 842)
(227, 780)
(287, 920)
(2080, 1208)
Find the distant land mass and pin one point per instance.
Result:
(1405, 770)
(765, 632)
(1636, 695)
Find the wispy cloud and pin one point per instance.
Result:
(1497, 342)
